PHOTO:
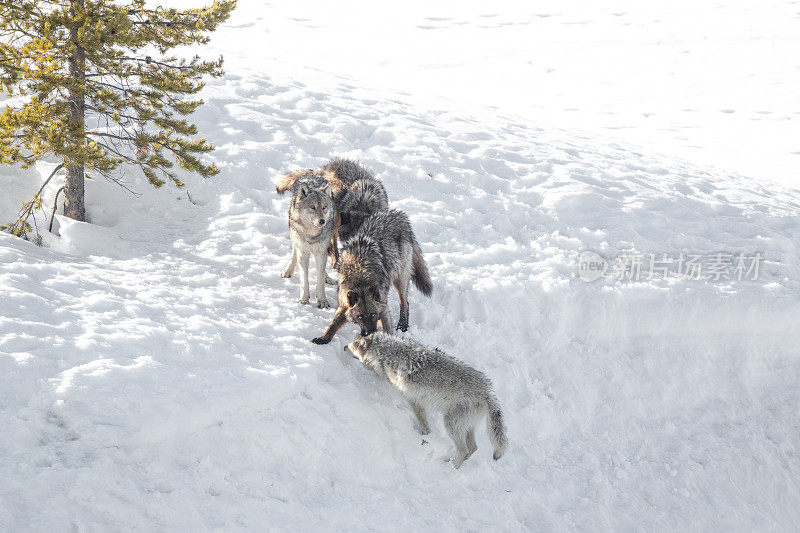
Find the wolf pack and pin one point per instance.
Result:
(341, 211)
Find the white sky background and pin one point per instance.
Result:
(715, 83)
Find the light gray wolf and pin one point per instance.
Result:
(382, 251)
(429, 378)
(357, 193)
(311, 220)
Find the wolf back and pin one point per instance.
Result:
(383, 252)
(429, 378)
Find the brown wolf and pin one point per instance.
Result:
(383, 251)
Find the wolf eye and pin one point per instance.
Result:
(312, 208)
(372, 315)
(324, 207)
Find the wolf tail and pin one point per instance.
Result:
(495, 428)
(420, 276)
(285, 183)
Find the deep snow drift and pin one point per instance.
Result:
(156, 371)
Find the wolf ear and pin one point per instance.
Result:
(326, 189)
(352, 298)
(366, 342)
(376, 294)
(304, 190)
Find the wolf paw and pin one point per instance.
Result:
(287, 273)
(320, 340)
(402, 326)
(322, 304)
(303, 300)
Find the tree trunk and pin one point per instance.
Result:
(74, 206)
(73, 194)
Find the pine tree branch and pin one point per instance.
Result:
(55, 208)
(150, 61)
(53, 173)
(112, 136)
(19, 224)
(119, 182)
(127, 159)
(109, 85)
(17, 29)
(107, 114)
(167, 23)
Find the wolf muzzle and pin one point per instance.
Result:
(348, 350)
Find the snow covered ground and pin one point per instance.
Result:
(156, 371)
(714, 83)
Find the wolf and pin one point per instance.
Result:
(383, 251)
(357, 194)
(311, 220)
(429, 378)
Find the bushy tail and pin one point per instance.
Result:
(285, 183)
(495, 428)
(420, 276)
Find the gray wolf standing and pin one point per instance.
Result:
(357, 193)
(311, 219)
(383, 251)
(430, 378)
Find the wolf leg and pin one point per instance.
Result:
(289, 270)
(333, 250)
(321, 261)
(386, 320)
(422, 419)
(401, 284)
(303, 260)
(338, 321)
(471, 446)
(455, 421)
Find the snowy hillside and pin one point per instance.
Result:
(156, 371)
(714, 83)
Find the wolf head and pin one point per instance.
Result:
(313, 206)
(364, 307)
(360, 347)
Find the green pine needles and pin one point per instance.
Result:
(95, 87)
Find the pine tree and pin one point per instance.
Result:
(99, 90)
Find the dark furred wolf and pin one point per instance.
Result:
(383, 251)
(357, 194)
